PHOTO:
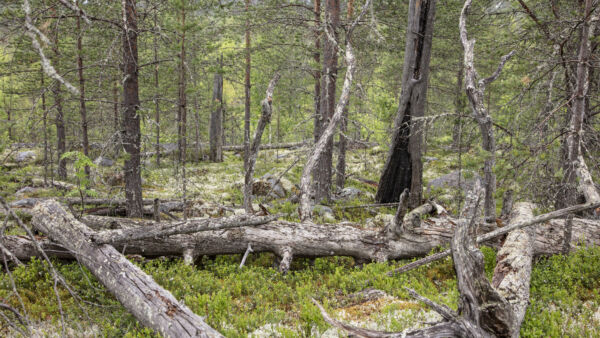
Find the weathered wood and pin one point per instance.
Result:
(544, 240)
(305, 209)
(252, 152)
(152, 305)
(512, 274)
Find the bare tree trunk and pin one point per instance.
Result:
(403, 168)
(182, 109)
(61, 145)
(157, 91)
(460, 107)
(116, 114)
(476, 94)
(247, 89)
(341, 165)
(216, 118)
(152, 305)
(82, 108)
(317, 72)
(576, 166)
(305, 208)
(131, 134)
(323, 171)
(45, 125)
(265, 118)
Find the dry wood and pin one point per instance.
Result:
(252, 152)
(541, 245)
(152, 305)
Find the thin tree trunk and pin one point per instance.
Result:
(403, 168)
(341, 164)
(131, 135)
(82, 108)
(216, 118)
(323, 171)
(61, 145)
(157, 92)
(247, 89)
(182, 111)
(265, 118)
(317, 73)
(115, 89)
(45, 125)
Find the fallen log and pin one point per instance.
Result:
(152, 305)
(314, 240)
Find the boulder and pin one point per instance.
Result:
(451, 180)
(24, 156)
(26, 190)
(104, 162)
(349, 193)
(269, 185)
(325, 212)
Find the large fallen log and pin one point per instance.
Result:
(314, 240)
(152, 305)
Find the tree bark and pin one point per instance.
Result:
(182, 104)
(317, 72)
(323, 171)
(152, 305)
(304, 209)
(157, 91)
(265, 118)
(82, 107)
(247, 88)
(61, 146)
(476, 95)
(216, 118)
(131, 135)
(403, 168)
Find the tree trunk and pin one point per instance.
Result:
(45, 125)
(131, 135)
(216, 118)
(82, 108)
(116, 114)
(152, 305)
(247, 88)
(182, 106)
(323, 171)
(61, 146)
(265, 118)
(403, 168)
(157, 91)
(317, 72)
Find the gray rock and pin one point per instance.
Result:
(104, 161)
(325, 212)
(350, 193)
(25, 156)
(451, 181)
(26, 190)
(430, 159)
(24, 203)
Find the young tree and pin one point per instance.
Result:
(82, 107)
(216, 117)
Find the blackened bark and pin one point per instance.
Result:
(403, 168)
(131, 135)
(82, 107)
(216, 117)
(323, 172)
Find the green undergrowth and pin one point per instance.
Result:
(564, 294)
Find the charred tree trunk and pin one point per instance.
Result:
(131, 135)
(82, 107)
(265, 118)
(403, 168)
(323, 171)
(152, 305)
(216, 118)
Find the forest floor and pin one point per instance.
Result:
(257, 300)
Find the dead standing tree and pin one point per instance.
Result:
(265, 118)
(476, 93)
(403, 168)
(326, 138)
